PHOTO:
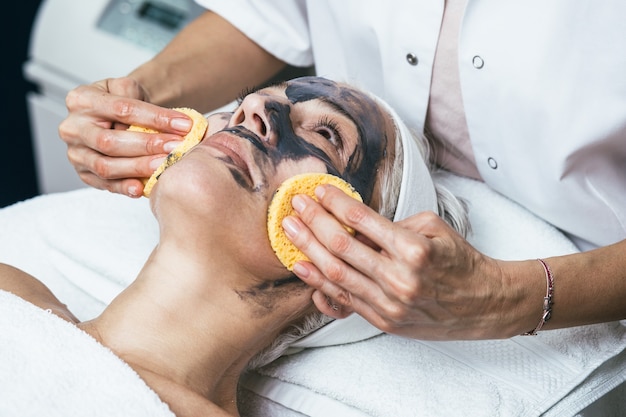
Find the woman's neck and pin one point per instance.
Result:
(187, 325)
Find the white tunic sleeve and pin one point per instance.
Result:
(279, 27)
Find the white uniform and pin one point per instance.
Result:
(543, 87)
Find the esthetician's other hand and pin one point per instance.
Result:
(416, 278)
(103, 153)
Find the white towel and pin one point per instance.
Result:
(552, 373)
(49, 367)
(86, 245)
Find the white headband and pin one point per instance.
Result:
(417, 194)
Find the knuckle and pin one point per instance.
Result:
(387, 326)
(123, 108)
(394, 314)
(336, 272)
(139, 169)
(87, 179)
(105, 141)
(72, 98)
(409, 296)
(417, 254)
(79, 98)
(64, 130)
(344, 298)
(340, 243)
(356, 214)
(75, 95)
(154, 145)
(405, 287)
(408, 290)
(118, 85)
(109, 186)
(431, 216)
(101, 167)
(90, 179)
(68, 131)
(73, 155)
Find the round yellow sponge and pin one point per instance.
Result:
(190, 140)
(280, 207)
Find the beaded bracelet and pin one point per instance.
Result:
(547, 300)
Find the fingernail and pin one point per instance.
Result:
(298, 203)
(132, 191)
(320, 191)
(171, 145)
(155, 163)
(290, 227)
(300, 270)
(181, 124)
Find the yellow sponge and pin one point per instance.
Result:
(190, 140)
(280, 207)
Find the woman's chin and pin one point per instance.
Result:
(185, 195)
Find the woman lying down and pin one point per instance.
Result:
(213, 299)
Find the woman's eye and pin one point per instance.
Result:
(329, 130)
(327, 134)
(243, 94)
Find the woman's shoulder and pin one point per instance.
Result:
(29, 288)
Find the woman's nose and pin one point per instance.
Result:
(252, 115)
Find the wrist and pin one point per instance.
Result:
(155, 84)
(524, 287)
(548, 299)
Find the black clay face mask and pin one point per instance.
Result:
(364, 112)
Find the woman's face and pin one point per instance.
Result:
(304, 125)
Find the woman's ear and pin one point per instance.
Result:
(329, 307)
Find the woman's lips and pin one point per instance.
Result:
(248, 135)
(233, 151)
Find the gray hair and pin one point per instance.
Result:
(450, 207)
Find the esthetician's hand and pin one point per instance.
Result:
(103, 153)
(416, 278)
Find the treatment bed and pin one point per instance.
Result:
(87, 244)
